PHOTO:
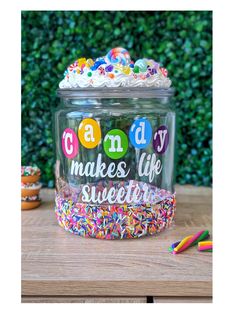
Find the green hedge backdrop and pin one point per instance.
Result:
(181, 41)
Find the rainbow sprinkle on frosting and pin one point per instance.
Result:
(116, 69)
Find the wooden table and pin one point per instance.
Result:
(60, 267)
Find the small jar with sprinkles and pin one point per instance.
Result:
(115, 146)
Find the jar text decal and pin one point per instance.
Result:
(148, 166)
(99, 169)
(140, 133)
(130, 194)
(115, 142)
(115, 146)
(69, 143)
(89, 133)
(161, 140)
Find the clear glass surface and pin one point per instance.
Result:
(143, 176)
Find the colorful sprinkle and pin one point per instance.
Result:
(115, 221)
(125, 72)
(30, 198)
(30, 170)
(31, 185)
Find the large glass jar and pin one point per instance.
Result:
(115, 161)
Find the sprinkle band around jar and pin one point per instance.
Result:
(115, 221)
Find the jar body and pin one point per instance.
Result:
(115, 165)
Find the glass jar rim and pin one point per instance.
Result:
(118, 92)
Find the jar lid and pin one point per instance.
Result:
(119, 92)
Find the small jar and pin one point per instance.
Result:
(114, 170)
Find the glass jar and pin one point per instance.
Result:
(115, 161)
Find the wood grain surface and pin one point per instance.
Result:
(58, 263)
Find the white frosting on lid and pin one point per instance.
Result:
(115, 70)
